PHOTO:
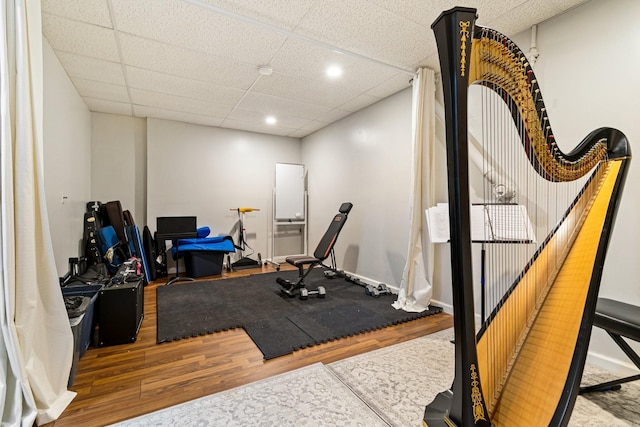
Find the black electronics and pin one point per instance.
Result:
(121, 310)
(176, 227)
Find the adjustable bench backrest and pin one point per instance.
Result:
(331, 235)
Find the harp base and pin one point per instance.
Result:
(436, 414)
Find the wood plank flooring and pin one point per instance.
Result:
(125, 381)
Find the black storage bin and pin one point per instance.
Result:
(87, 324)
(203, 263)
(76, 330)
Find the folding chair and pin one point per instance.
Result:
(322, 252)
(619, 320)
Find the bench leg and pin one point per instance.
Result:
(615, 384)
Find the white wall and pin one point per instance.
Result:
(67, 159)
(365, 159)
(206, 171)
(118, 159)
(587, 71)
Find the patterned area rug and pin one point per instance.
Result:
(399, 392)
(390, 386)
(397, 382)
(310, 396)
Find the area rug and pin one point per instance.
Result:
(277, 323)
(310, 396)
(399, 381)
(385, 387)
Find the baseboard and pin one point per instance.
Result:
(615, 366)
(367, 280)
(446, 308)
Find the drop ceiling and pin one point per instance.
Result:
(197, 61)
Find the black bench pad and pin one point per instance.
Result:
(618, 317)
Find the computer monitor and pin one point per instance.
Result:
(176, 227)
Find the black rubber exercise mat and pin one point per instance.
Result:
(277, 323)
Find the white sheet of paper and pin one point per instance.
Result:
(488, 223)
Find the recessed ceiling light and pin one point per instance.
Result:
(334, 71)
(270, 120)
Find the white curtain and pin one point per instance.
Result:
(36, 346)
(416, 285)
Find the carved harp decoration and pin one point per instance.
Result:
(523, 367)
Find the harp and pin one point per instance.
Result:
(522, 366)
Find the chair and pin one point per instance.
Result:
(619, 320)
(322, 252)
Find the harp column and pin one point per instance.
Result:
(463, 405)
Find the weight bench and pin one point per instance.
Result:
(619, 320)
(322, 252)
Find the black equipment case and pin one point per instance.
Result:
(121, 313)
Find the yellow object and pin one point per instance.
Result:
(244, 209)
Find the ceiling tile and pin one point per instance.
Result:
(102, 106)
(425, 12)
(160, 57)
(99, 90)
(79, 37)
(278, 105)
(418, 11)
(533, 11)
(283, 120)
(174, 85)
(398, 41)
(178, 103)
(143, 111)
(280, 13)
(303, 90)
(186, 25)
(257, 127)
(89, 68)
(306, 60)
(91, 11)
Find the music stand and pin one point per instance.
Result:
(175, 228)
(490, 223)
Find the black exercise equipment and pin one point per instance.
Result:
(619, 320)
(376, 291)
(369, 289)
(322, 252)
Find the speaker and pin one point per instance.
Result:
(121, 310)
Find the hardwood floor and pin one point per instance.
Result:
(124, 381)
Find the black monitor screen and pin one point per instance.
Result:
(176, 227)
